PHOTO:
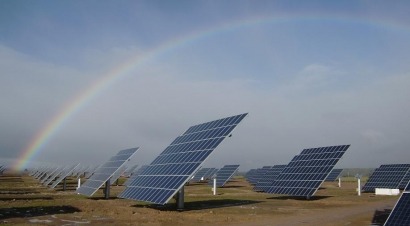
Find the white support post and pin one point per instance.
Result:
(358, 187)
(340, 182)
(79, 183)
(214, 188)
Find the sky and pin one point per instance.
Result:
(309, 73)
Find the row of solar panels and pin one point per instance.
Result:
(159, 181)
(176, 165)
(52, 176)
(302, 176)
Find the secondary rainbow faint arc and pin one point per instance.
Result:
(72, 107)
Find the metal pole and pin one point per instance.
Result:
(65, 183)
(180, 199)
(358, 187)
(340, 182)
(107, 189)
(79, 183)
(214, 188)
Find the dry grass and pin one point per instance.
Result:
(23, 201)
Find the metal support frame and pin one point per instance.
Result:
(65, 183)
(180, 199)
(107, 189)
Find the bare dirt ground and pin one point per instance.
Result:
(23, 201)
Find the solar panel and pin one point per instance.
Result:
(105, 171)
(63, 175)
(258, 174)
(135, 174)
(211, 174)
(224, 174)
(334, 174)
(130, 171)
(168, 173)
(405, 180)
(270, 175)
(400, 215)
(117, 175)
(200, 174)
(386, 176)
(53, 176)
(307, 171)
(249, 174)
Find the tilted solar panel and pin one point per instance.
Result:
(405, 180)
(54, 176)
(334, 174)
(117, 174)
(200, 174)
(268, 178)
(105, 171)
(400, 215)
(307, 171)
(63, 175)
(135, 174)
(168, 173)
(258, 174)
(224, 174)
(386, 176)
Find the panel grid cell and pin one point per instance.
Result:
(187, 152)
(105, 172)
(387, 176)
(306, 171)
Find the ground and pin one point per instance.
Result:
(23, 201)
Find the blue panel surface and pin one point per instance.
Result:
(387, 176)
(306, 171)
(258, 174)
(400, 215)
(166, 175)
(268, 178)
(105, 172)
(334, 174)
(224, 174)
(63, 175)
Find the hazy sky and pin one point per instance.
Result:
(310, 74)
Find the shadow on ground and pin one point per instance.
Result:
(302, 198)
(35, 211)
(201, 205)
(380, 216)
(26, 198)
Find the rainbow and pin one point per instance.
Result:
(42, 137)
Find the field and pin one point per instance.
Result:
(23, 201)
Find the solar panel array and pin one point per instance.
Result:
(135, 174)
(268, 178)
(200, 174)
(258, 174)
(307, 171)
(224, 175)
(105, 171)
(334, 174)
(166, 175)
(400, 215)
(117, 174)
(63, 175)
(405, 180)
(386, 176)
(211, 174)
